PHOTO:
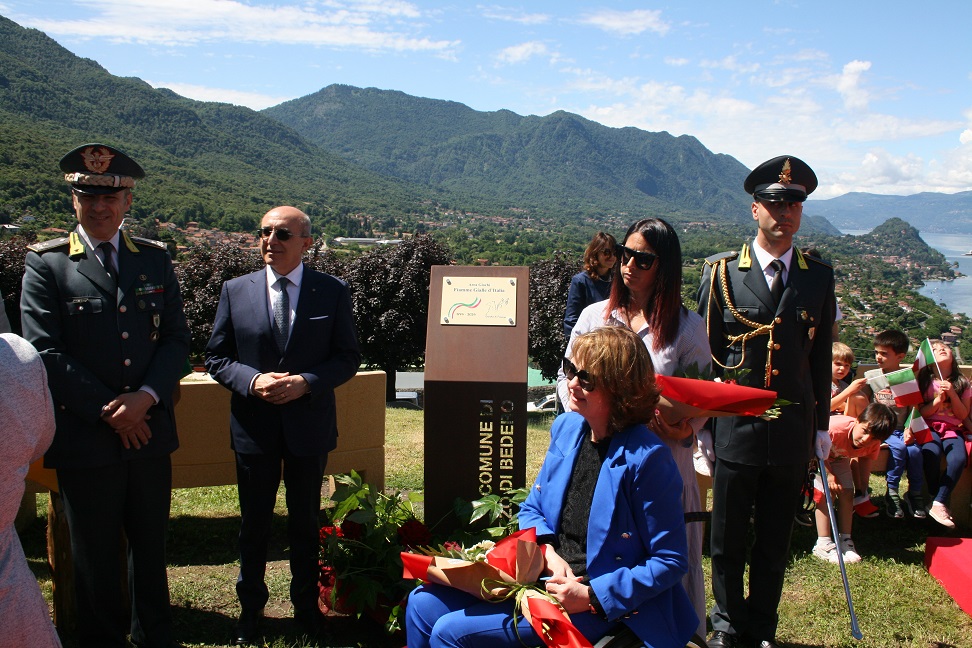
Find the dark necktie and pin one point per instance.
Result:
(776, 288)
(281, 314)
(106, 251)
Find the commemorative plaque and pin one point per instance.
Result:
(475, 384)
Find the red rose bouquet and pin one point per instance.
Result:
(361, 566)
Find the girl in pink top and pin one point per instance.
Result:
(947, 395)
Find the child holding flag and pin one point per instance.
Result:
(947, 395)
(847, 399)
(850, 438)
(890, 348)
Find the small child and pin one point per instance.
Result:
(890, 348)
(850, 438)
(848, 400)
(948, 395)
(840, 391)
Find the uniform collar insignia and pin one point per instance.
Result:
(129, 243)
(77, 247)
(745, 259)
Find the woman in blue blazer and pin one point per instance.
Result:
(607, 507)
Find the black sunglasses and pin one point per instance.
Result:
(282, 234)
(584, 379)
(644, 260)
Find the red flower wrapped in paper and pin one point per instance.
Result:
(509, 569)
(692, 397)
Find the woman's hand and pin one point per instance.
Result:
(557, 567)
(570, 593)
(677, 431)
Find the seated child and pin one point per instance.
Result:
(841, 392)
(947, 395)
(847, 399)
(850, 438)
(890, 348)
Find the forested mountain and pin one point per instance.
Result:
(558, 163)
(356, 160)
(210, 162)
(932, 212)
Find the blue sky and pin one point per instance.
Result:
(874, 96)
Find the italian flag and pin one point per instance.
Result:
(918, 427)
(925, 356)
(904, 387)
(916, 422)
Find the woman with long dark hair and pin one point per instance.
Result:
(647, 298)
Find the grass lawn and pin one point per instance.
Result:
(897, 602)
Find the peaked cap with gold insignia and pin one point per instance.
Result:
(99, 169)
(782, 179)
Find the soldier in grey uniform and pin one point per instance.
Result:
(770, 309)
(103, 309)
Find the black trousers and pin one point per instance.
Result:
(258, 478)
(104, 506)
(770, 495)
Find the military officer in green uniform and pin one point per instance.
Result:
(103, 309)
(770, 309)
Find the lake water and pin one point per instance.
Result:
(956, 294)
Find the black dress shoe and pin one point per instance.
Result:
(247, 627)
(720, 639)
(309, 622)
(767, 643)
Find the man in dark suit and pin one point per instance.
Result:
(103, 309)
(283, 339)
(769, 309)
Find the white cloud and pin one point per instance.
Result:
(368, 25)
(676, 62)
(966, 136)
(876, 127)
(522, 52)
(252, 100)
(627, 23)
(848, 84)
(506, 14)
(729, 63)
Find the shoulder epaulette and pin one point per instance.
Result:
(816, 259)
(144, 241)
(716, 258)
(48, 245)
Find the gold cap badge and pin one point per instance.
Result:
(97, 159)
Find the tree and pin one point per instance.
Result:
(201, 274)
(549, 283)
(13, 251)
(390, 294)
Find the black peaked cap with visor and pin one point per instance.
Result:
(99, 169)
(782, 179)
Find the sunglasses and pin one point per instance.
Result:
(282, 234)
(643, 260)
(584, 379)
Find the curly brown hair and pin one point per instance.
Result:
(618, 361)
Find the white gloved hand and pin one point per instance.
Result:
(822, 444)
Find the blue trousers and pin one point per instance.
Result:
(940, 486)
(258, 478)
(438, 616)
(902, 457)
